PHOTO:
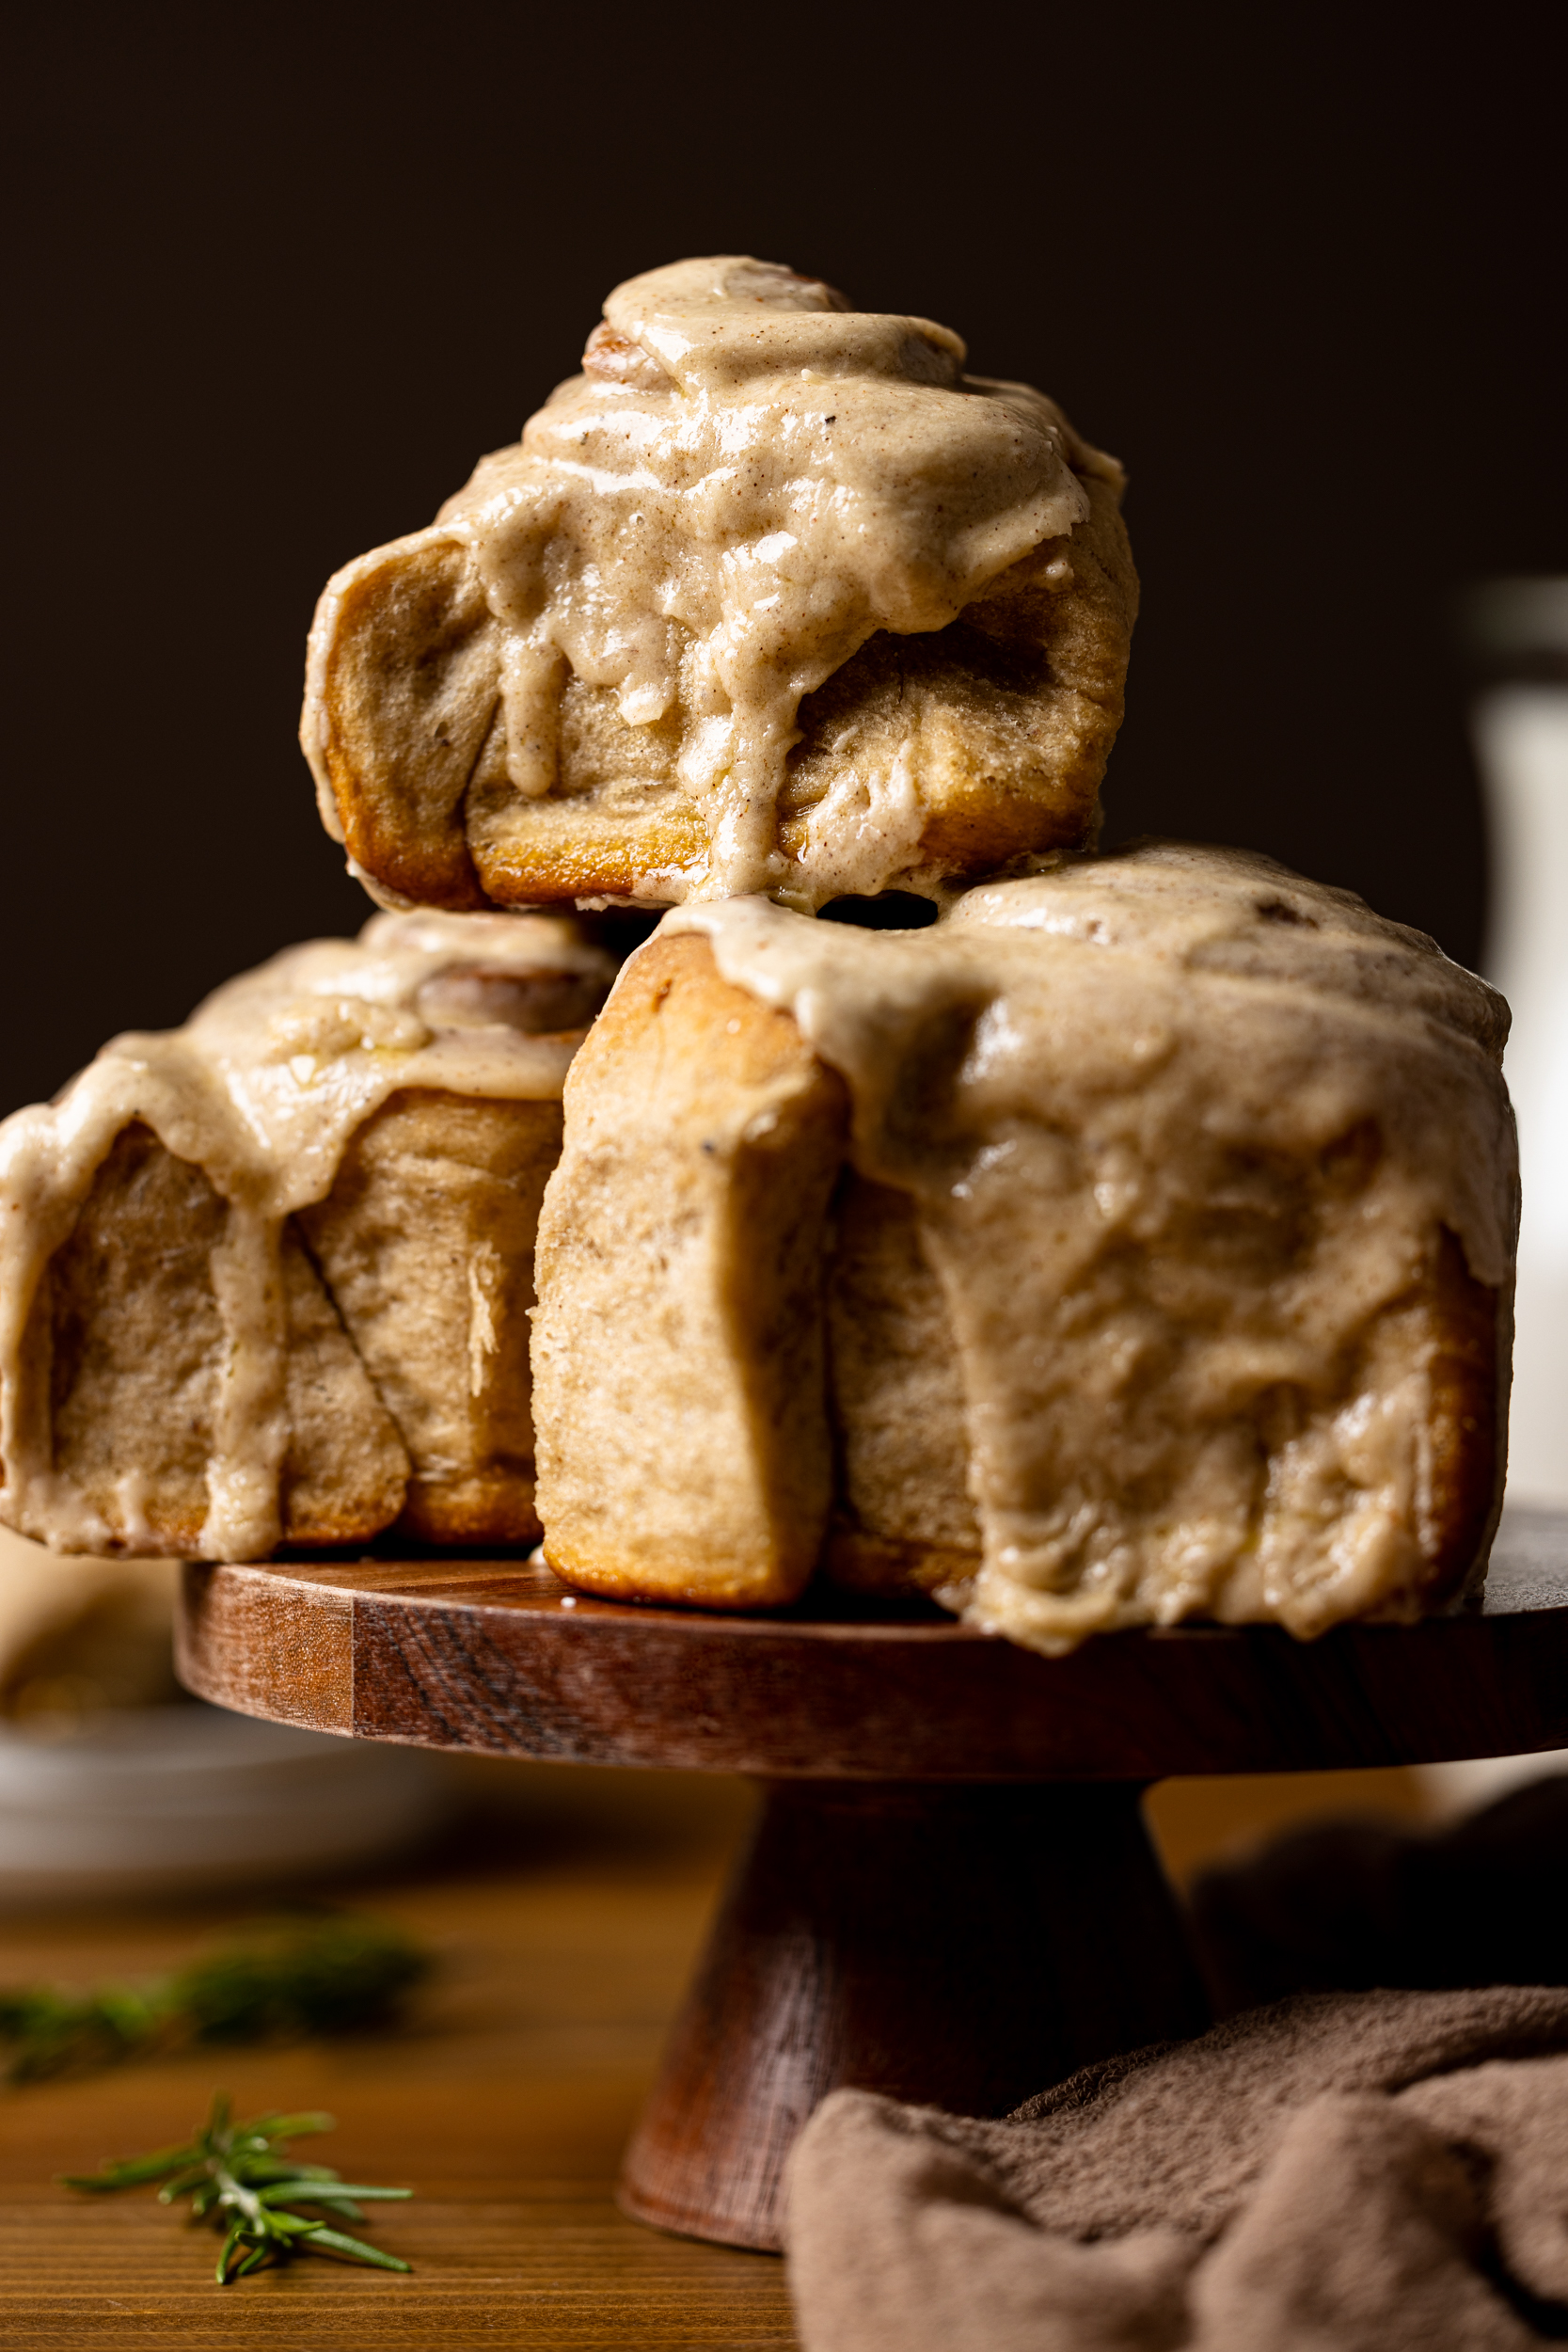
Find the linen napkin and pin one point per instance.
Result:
(1338, 2172)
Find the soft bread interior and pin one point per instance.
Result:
(128, 1320)
(408, 692)
(426, 1240)
(1003, 722)
(1107, 1343)
(684, 1450)
(903, 1517)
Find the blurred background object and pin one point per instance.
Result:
(1203, 1823)
(284, 1979)
(1516, 634)
(114, 1783)
(1347, 1904)
(78, 1635)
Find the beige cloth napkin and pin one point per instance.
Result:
(1339, 2172)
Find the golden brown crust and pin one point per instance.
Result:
(1011, 709)
(345, 1472)
(1394, 1425)
(1464, 1344)
(410, 687)
(426, 1240)
(1009, 715)
(880, 1565)
(683, 1440)
(610, 842)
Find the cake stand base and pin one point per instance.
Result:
(959, 1946)
(950, 1896)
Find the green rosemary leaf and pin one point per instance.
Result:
(383, 2196)
(130, 2171)
(235, 2175)
(289, 1978)
(132, 2013)
(259, 2170)
(333, 2241)
(329, 1976)
(229, 2243)
(183, 2184)
(276, 2127)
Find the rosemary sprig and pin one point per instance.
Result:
(235, 2175)
(323, 1975)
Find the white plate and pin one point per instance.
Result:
(155, 1799)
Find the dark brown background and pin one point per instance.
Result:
(280, 277)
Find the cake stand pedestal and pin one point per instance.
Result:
(950, 1896)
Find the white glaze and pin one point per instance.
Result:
(1118, 1022)
(745, 484)
(263, 1088)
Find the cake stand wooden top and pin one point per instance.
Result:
(497, 1656)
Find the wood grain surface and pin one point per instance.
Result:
(940, 1903)
(496, 1656)
(956, 1945)
(505, 2104)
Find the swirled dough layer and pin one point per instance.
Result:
(1209, 1201)
(771, 597)
(169, 1356)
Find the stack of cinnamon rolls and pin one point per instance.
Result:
(924, 1202)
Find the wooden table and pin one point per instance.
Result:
(951, 1897)
(506, 2105)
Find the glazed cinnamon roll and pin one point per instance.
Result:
(1134, 1243)
(266, 1278)
(771, 597)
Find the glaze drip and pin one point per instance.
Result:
(748, 480)
(263, 1088)
(1185, 1134)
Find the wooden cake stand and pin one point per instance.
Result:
(950, 1896)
